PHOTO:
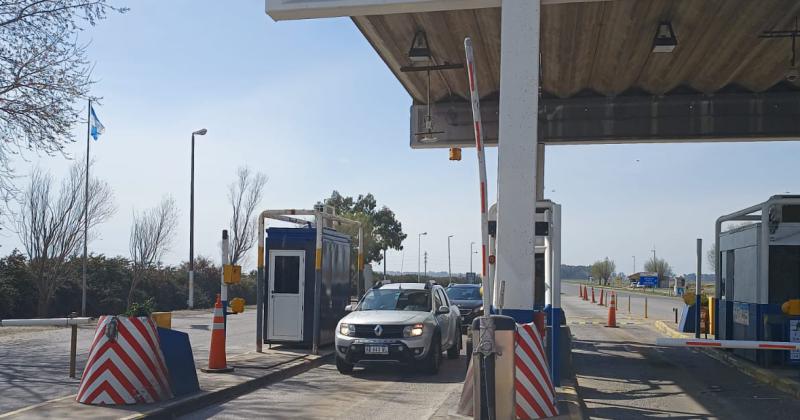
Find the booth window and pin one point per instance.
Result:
(287, 274)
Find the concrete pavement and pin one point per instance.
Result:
(34, 361)
(380, 392)
(621, 374)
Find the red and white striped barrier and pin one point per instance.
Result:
(125, 364)
(535, 397)
(478, 124)
(727, 344)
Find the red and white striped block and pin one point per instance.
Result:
(728, 344)
(535, 397)
(127, 367)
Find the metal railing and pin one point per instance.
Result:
(72, 322)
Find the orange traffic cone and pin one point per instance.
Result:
(585, 293)
(602, 296)
(580, 291)
(593, 301)
(612, 312)
(217, 362)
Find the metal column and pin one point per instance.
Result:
(516, 161)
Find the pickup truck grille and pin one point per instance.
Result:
(389, 331)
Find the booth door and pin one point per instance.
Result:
(286, 284)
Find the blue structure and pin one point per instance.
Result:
(758, 266)
(290, 290)
(179, 360)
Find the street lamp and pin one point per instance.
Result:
(449, 269)
(419, 253)
(201, 132)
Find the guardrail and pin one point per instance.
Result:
(72, 322)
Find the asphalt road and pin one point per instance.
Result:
(375, 393)
(622, 375)
(658, 307)
(34, 361)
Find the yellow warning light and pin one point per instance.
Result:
(237, 305)
(231, 274)
(455, 153)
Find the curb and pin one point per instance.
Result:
(570, 398)
(783, 384)
(202, 400)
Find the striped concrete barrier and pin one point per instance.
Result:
(535, 396)
(125, 364)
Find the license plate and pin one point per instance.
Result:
(376, 349)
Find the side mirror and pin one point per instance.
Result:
(443, 310)
(348, 308)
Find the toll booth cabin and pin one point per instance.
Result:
(290, 285)
(757, 272)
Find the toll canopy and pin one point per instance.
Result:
(600, 79)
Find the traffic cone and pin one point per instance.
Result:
(593, 301)
(580, 291)
(612, 312)
(585, 293)
(602, 295)
(217, 362)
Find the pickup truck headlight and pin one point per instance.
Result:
(347, 329)
(413, 330)
(478, 310)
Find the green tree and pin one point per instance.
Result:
(382, 230)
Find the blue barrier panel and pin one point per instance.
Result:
(180, 361)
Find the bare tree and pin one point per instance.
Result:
(43, 72)
(244, 196)
(151, 237)
(660, 266)
(711, 259)
(603, 269)
(50, 224)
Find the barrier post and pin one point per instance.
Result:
(629, 304)
(645, 306)
(73, 350)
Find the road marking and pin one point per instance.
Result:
(31, 407)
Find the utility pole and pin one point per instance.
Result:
(449, 268)
(634, 264)
(426, 265)
(471, 244)
(419, 251)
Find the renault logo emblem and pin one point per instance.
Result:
(378, 330)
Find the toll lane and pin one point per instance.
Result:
(621, 374)
(384, 392)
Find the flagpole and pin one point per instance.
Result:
(86, 209)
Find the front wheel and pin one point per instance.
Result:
(455, 350)
(343, 366)
(433, 359)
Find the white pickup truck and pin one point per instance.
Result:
(407, 323)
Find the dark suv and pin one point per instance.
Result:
(469, 300)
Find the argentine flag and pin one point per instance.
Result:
(96, 128)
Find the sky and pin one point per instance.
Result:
(311, 105)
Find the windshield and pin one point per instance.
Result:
(396, 300)
(464, 293)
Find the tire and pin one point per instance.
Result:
(343, 367)
(455, 350)
(433, 359)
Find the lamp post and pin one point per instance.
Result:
(419, 253)
(471, 252)
(201, 132)
(634, 264)
(449, 269)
